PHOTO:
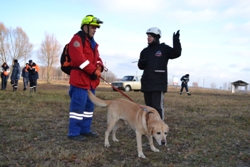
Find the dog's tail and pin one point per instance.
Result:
(97, 101)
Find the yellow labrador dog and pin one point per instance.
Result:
(142, 119)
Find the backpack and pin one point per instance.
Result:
(65, 57)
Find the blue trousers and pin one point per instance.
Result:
(81, 111)
(4, 81)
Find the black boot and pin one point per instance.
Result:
(77, 138)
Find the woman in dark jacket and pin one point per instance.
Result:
(25, 75)
(15, 75)
(4, 75)
(153, 61)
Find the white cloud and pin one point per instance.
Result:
(134, 6)
(206, 4)
(189, 16)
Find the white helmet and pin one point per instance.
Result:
(154, 30)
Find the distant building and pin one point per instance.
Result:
(175, 81)
(195, 84)
(237, 84)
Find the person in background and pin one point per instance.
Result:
(184, 84)
(15, 75)
(33, 75)
(5, 71)
(85, 78)
(25, 75)
(153, 61)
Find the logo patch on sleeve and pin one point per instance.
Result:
(76, 44)
(158, 53)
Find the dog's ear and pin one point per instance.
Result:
(150, 130)
(167, 128)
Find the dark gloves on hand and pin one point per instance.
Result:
(142, 63)
(95, 75)
(176, 35)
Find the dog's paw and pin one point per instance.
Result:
(141, 155)
(107, 145)
(115, 140)
(155, 149)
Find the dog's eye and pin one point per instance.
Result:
(166, 133)
(158, 133)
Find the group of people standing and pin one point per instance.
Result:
(29, 74)
(88, 65)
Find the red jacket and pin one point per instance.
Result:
(87, 59)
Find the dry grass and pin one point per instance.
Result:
(209, 128)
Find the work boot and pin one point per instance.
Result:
(14, 89)
(90, 134)
(77, 138)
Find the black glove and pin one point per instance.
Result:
(142, 63)
(93, 76)
(176, 35)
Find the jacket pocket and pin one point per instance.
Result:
(160, 76)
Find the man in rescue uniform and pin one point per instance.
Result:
(85, 55)
(184, 84)
(33, 75)
(15, 75)
(153, 61)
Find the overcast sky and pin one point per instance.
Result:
(215, 34)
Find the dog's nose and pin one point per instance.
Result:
(163, 142)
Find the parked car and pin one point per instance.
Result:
(128, 83)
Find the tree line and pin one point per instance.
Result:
(15, 44)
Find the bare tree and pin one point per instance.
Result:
(3, 42)
(49, 53)
(109, 76)
(19, 46)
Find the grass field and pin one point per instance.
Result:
(211, 128)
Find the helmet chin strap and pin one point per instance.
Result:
(88, 33)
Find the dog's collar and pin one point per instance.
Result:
(147, 114)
